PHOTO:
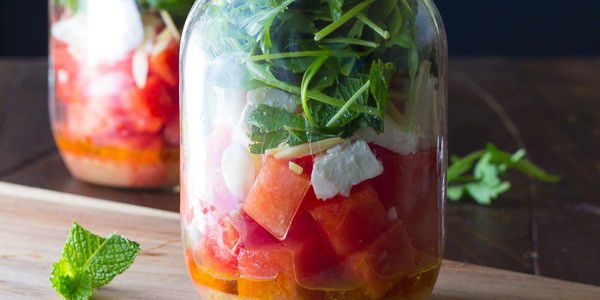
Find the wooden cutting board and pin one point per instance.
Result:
(34, 224)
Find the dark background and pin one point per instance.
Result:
(475, 27)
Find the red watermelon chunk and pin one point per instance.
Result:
(165, 64)
(261, 256)
(385, 262)
(405, 179)
(140, 116)
(161, 100)
(350, 223)
(218, 250)
(276, 196)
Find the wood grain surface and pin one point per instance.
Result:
(550, 107)
(35, 224)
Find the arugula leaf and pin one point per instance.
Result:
(267, 140)
(310, 73)
(488, 166)
(89, 261)
(355, 91)
(335, 8)
(379, 77)
(270, 119)
(522, 165)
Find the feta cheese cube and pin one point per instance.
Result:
(337, 171)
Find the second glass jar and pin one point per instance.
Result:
(114, 92)
(314, 148)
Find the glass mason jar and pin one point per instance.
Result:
(314, 148)
(114, 92)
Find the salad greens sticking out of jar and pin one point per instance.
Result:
(337, 58)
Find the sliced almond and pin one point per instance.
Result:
(139, 67)
(306, 149)
(296, 168)
(396, 114)
(166, 17)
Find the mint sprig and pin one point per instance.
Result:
(489, 165)
(90, 261)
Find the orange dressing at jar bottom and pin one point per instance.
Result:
(119, 166)
(414, 287)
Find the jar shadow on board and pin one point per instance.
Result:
(314, 148)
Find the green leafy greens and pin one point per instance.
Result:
(89, 261)
(336, 55)
(485, 184)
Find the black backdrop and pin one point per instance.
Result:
(475, 27)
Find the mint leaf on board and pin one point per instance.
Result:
(89, 261)
(488, 165)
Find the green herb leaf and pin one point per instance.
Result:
(523, 165)
(271, 119)
(379, 77)
(343, 19)
(89, 261)
(355, 91)
(335, 8)
(488, 166)
(263, 141)
(310, 73)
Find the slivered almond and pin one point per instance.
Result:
(306, 149)
(295, 167)
(139, 67)
(166, 17)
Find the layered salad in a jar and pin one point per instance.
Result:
(313, 149)
(115, 91)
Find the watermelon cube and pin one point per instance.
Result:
(218, 249)
(350, 223)
(276, 196)
(385, 262)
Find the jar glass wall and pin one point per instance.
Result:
(314, 148)
(114, 92)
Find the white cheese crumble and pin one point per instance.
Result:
(336, 172)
